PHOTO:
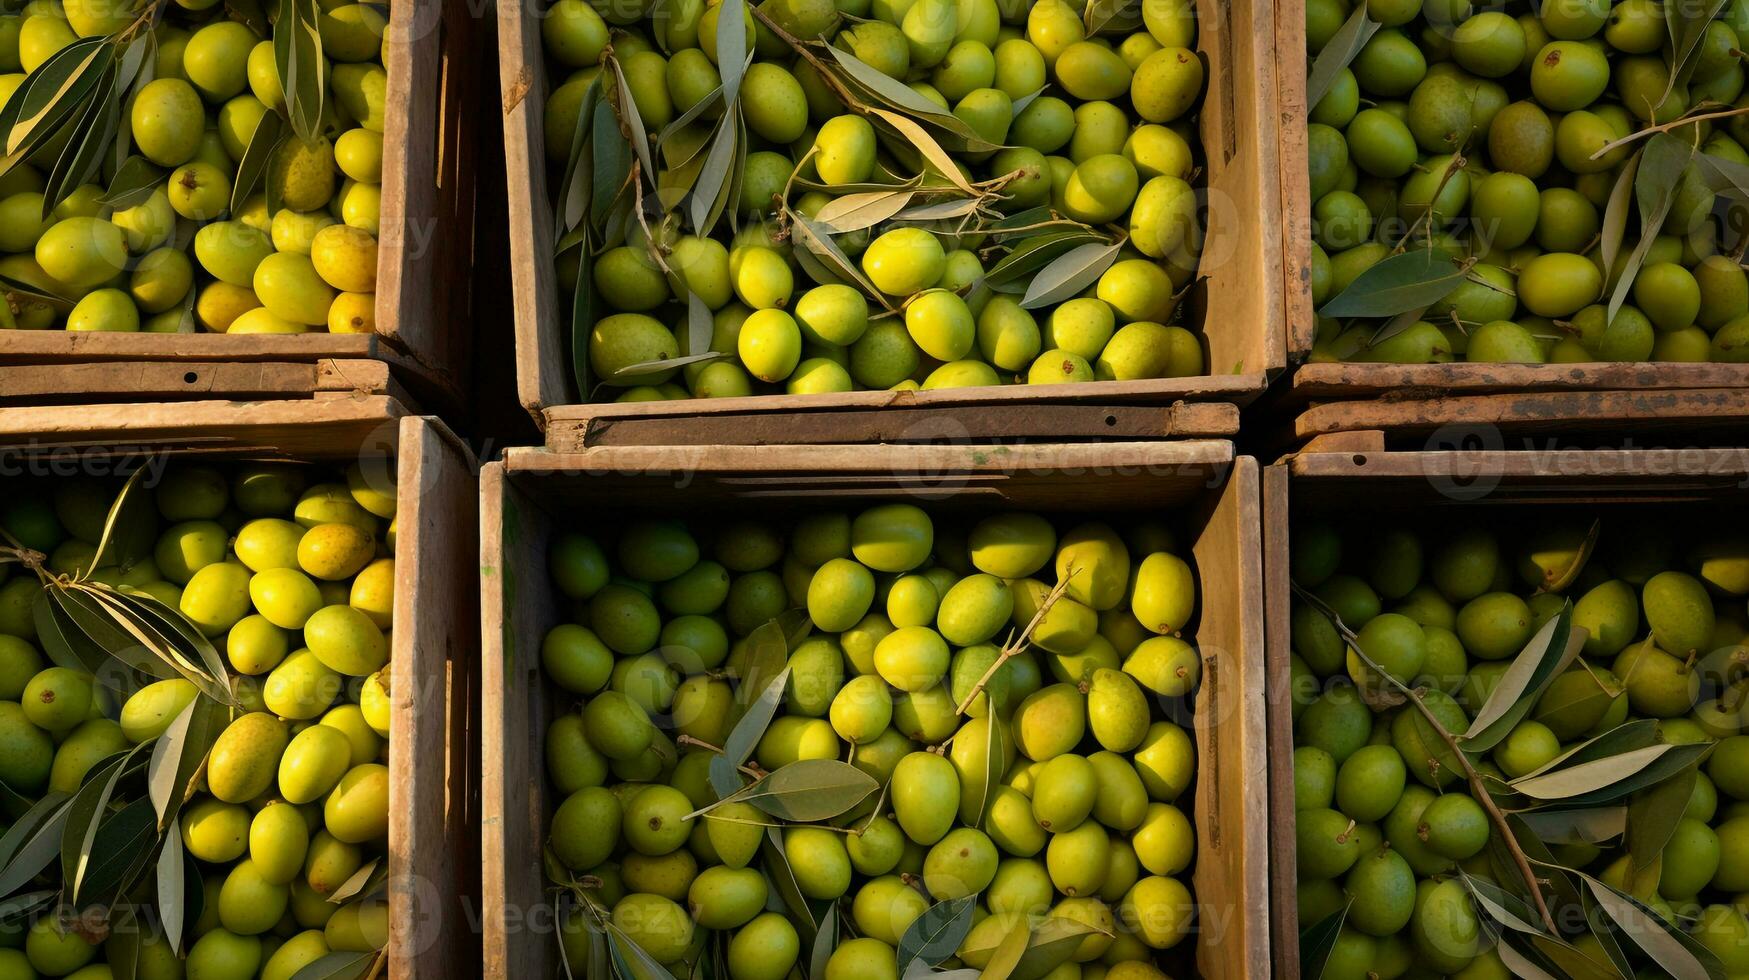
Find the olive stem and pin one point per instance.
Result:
(1667, 127)
(684, 739)
(1013, 648)
(1477, 788)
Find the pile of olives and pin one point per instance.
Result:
(114, 254)
(1093, 131)
(1477, 133)
(1086, 815)
(289, 571)
(1386, 817)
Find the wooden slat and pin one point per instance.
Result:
(340, 428)
(1688, 412)
(1284, 916)
(1296, 190)
(1313, 382)
(1045, 422)
(532, 492)
(517, 606)
(1238, 302)
(1231, 878)
(433, 794)
(41, 384)
(60, 346)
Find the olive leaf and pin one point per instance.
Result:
(732, 53)
(1338, 53)
(352, 966)
(1033, 254)
(303, 71)
(710, 195)
(1652, 817)
(129, 528)
(1687, 24)
(854, 212)
(88, 618)
(1603, 931)
(1678, 955)
(133, 183)
(17, 907)
(51, 94)
(33, 841)
(1046, 945)
(937, 933)
(1655, 182)
(912, 134)
(1318, 939)
(366, 881)
(628, 113)
(178, 754)
(89, 804)
(806, 791)
(611, 164)
(825, 942)
(120, 850)
(575, 178)
(783, 879)
(172, 866)
(902, 99)
(816, 242)
(1615, 212)
(1417, 278)
(252, 169)
(1112, 16)
(1727, 177)
(583, 312)
(1069, 274)
(1609, 778)
(939, 211)
(1008, 952)
(997, 740)
(1550, 650)
(744, 737)
(1501, 906)
(89, 139)
(1594, 825)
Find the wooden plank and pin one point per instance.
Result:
(1284, 916)
(1641, 413)
(1296, 190)
(1463, 476)
(328, 429)
(543, 373)
(40, 384)
(60, 346)
(525, 497)
(1231, 878)
(433, 795)
(517, 606)
(1357, 441)
(1238, 302)
(1047, 422)
(1313, 382)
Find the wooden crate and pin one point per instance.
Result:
(325, 378)
(1548, 392)
(1238, 304)
(424, 253)
(1423, 483)
(533, 492)
(433, 794)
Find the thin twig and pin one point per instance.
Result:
(1477, 788)
(746, 769)
(1013, 648)
(1667, 127)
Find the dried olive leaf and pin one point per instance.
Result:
(854, 212)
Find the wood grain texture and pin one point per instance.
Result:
(60, 346)
(1231, 879)
(1041, 422)
(532, 492)
(1238, 301)
(1284, 917)
(543, 375)
(517, 606)
(325, 429)
(1710, 413)
(433, 794)
(1296, 190)
(1407, 382)
(43, 384)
